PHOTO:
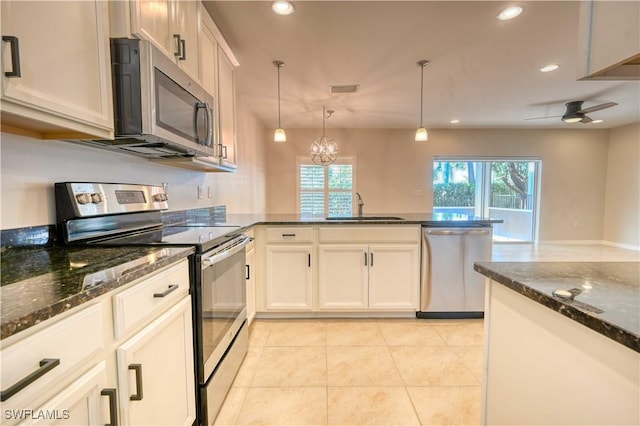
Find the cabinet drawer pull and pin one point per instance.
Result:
(365, 259)
(248, 274)
(113, 408)
(183, 49)
(309, 260)
(46, 365)
(172, 287)
(288, 235)
(178, 44)
(138, 369)
(224, 152)
(15, 56)
(371, 259)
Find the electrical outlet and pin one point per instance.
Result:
(200, 192)
(209, 192)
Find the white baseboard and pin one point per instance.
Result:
(590, 242)
(620, 245)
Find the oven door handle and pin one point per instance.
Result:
(225, 253)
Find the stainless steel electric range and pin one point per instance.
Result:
(112, 214)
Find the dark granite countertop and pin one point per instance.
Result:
(209, 217)
(39, 283)
(608, 293)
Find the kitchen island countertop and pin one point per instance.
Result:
(39, 283)
(608, 293)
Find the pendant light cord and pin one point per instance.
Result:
(279, 94)
(421, 91)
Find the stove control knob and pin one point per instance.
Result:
(160, 197)
(96, 198)
(84, 198)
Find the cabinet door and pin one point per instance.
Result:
(343, 281)
(208, 56)
(155, 371)
(64, 87)
(80, 403)
(289, 277)
(251, 286)
(394, 276)
(151, 20)
(226, 109)
(186, 24)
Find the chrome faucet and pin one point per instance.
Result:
(360, 204)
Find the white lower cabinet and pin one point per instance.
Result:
(377, 276)
(81, 403)
(360, 269)
(155, 371)
(289, 277)
(394, 277)
(81, 369)
(343, 276)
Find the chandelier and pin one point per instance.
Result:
(324, 150)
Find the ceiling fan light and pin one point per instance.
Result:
(282, 7)
(279, 135)
(571, 119)
(421, 135)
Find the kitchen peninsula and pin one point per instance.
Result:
(562, 342)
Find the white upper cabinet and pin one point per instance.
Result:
(227, 109)
(56, 80)
(609, 40)
(172, 26)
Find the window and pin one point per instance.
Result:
(497, 188)
(326, 191)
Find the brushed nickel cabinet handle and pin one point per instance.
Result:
(113, 408)
(46, 365)
(138, 369)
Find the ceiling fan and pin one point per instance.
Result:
(575, 113)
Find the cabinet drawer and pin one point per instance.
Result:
(150, 297)
(290, 234)
(56, 352)
(366, 234)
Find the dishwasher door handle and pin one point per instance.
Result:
(457, 231)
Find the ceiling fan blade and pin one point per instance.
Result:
(598, 107)
(541, 118)
(586, 119)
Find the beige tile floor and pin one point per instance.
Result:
(358, 372)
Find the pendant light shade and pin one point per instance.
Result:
(279, 135)
(324, 150)
(421, 133)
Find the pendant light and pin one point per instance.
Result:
(421, 133)
(279, 135)
(324, 150)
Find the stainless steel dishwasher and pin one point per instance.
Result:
(450, 287)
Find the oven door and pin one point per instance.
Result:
(222, 301)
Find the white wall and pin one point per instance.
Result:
(394, 173)
(622, 201)
(30, 167)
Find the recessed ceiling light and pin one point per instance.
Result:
(455, 121)
(549, 68)
(510, 13)
(597, 121)
(282, 7)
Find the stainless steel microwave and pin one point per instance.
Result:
(159, 111)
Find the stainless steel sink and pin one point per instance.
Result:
(358, 218)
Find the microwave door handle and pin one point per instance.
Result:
(209, 134)
(197, 108)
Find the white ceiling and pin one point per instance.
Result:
(483, 71)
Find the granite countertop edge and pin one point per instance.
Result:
(10, 327)
(565, 308)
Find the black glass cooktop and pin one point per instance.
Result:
(202, 238)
